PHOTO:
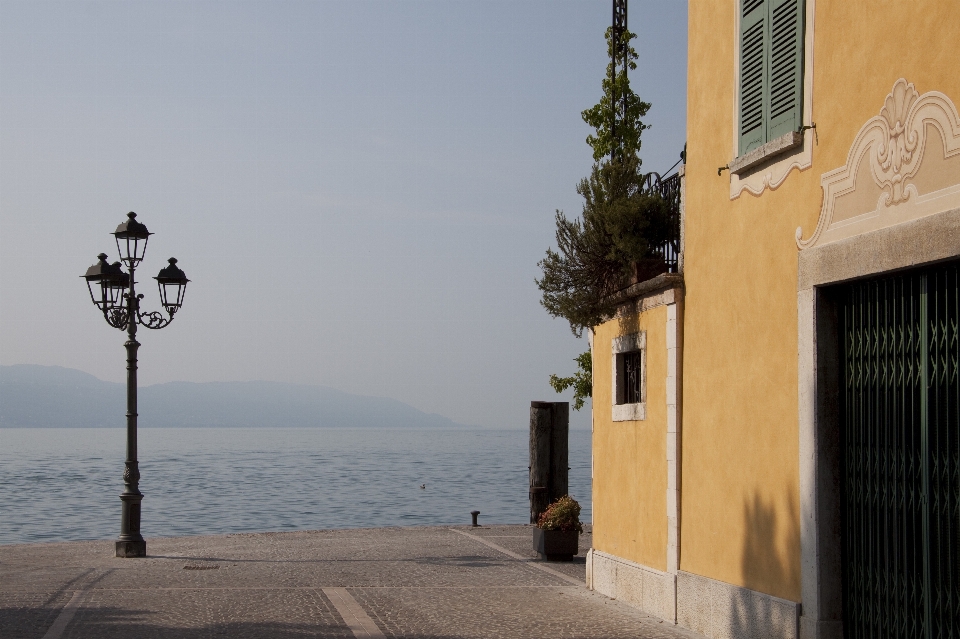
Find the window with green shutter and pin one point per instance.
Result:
(771, 70)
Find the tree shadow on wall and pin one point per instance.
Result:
(770, 564)
(628, 322)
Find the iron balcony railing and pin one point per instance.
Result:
(669, 189)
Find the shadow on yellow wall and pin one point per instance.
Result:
(770, 561)
(629, 323)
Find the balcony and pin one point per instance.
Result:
(668, 257)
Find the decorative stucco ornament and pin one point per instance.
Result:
(895, 154)
(908, 182)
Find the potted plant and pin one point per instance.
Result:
(557, 535)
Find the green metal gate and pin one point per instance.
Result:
(900, 432)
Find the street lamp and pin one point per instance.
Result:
(113, 291)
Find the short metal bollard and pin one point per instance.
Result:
(474, 514)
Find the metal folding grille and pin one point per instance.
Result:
(900, 456)
(943, 417)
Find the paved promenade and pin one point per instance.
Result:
(430, 582)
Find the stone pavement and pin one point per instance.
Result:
(430, 582)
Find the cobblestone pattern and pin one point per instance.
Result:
(425, 582)
(479, 613)
(519, 539)
(196, 613)
(22, 613)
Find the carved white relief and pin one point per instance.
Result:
(903, 164)
(895, 151)
(772, 176)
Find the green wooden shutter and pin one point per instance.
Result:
(785, 83)
(753, 73)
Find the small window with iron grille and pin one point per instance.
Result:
(629, 377)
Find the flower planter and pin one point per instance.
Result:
(556, 545)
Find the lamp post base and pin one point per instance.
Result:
(132, 548)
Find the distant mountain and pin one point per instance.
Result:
(55, 397)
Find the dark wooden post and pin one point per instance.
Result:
(541, 422)
(559, 450)
(549, 454)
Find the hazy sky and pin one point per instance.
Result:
(359, 191)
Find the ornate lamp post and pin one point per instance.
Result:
(113, 291)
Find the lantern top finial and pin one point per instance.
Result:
(172, 273)
(102, 270)
(132, 228)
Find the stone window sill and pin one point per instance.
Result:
(629, 412)
(763, 153)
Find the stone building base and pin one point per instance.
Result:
(650, 590)
(712, 608)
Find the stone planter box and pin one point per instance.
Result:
(556, 545)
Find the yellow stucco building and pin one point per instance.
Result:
(775, 425)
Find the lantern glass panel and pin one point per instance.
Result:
(171, 295)
(132, 249)
(107, 293)
(97, 293)
(115, 290)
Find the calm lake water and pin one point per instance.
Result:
(63, 484)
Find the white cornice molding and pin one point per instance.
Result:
(893, 144)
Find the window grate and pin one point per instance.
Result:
(632, 378)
